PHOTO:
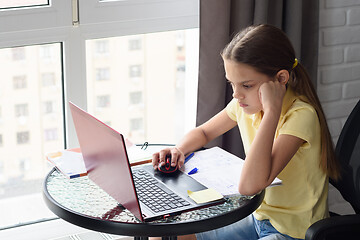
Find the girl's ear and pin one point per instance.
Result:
(282, 76)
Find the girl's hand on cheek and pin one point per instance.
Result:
(271, 96)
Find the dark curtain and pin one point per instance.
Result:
(220, 20)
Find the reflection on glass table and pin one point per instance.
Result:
(81, 202)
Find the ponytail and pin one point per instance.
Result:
(300, 82)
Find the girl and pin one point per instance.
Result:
(284, 132)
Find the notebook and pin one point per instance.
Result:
(107, 163)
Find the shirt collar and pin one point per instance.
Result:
(288, 101)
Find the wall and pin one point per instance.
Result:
(339, 69)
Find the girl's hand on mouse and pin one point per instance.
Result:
(271, 95)
(177, 157)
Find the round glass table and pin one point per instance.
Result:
(81, 202)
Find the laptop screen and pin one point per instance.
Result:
(105, 158)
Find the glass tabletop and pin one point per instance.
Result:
(82, 197)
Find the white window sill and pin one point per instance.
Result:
(54, 229)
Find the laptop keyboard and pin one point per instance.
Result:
(155, 195)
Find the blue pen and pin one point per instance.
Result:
(194, 170)
(189, 157)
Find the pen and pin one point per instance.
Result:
(189, 157)
(194, 170)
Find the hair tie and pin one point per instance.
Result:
(295, 63)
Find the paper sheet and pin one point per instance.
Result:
(204, 196)
(69, 162)
(218, 169)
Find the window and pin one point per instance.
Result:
(21, 110)
(24, 165)
(102, 47)
(47, 53)
(51, 134)
(64, 60)
(48, 79)
(134, 44)
(136, 124)
(48, 107)
(22, 3)
(136, 98)
(135, 71)
(103, 101)
(102, 74)
(18, 54)
(156, 79)
(19, 82)
(1, 170)
(24, 103)
(22, 137)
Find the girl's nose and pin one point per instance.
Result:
(238, 95)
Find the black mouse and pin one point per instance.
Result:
(167, 168)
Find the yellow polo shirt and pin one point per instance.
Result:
(302, 198)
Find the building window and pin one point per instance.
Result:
(23, 137)
(103, 101)
(19, 82)
(136, 98)
(18, 54)
(136, 124)
(46, 52)
(102, 74)
(1, 168)
(48, 79)
(48, 107)
(102, 47)
(21, 110)
(180, 41)
(51, 134)
(135, 71)
(24, 165)
(134, 44)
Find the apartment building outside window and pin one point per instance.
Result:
(47, 58)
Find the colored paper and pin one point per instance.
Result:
(204, 196)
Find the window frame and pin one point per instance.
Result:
(54, 24)
(97, 20)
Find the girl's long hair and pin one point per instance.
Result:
(268, 50)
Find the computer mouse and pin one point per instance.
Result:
(167, 168)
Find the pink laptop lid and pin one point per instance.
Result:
(106, 159)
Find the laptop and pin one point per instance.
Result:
(108, 166)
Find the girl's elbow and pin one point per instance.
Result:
(250, 189)
(247, 191)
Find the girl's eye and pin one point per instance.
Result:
(247, 86)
